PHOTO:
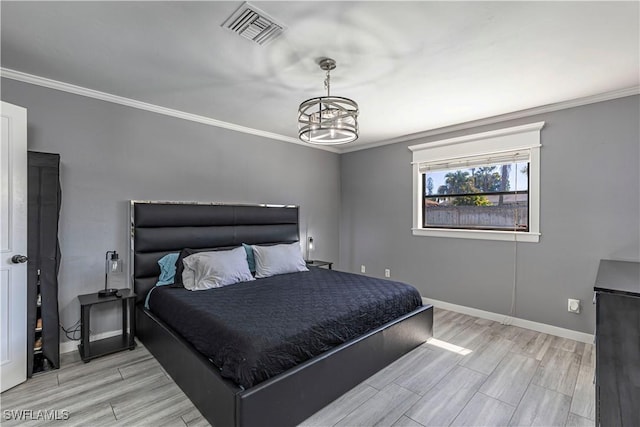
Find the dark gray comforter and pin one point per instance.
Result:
(255, 330)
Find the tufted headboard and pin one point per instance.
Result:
(159, 228)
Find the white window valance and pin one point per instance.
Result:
(466, 162)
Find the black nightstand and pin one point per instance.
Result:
(92, 349)
(318, 263)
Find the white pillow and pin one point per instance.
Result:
(188, 276)
(278, 259)
(206, 270)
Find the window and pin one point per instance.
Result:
(483, 186)
(490, 195)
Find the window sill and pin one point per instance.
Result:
(508, 236)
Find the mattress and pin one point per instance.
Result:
(255, 330)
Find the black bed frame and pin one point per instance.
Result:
(159, 228)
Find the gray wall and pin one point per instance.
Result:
(358, 202)
(590, 209)
(111, 154)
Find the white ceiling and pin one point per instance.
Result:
(411, 66)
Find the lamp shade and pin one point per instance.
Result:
(309, 247)
(114, 264)
(328, 120)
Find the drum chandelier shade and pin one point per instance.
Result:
(328, 120)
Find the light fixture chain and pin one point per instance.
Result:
(327, 83)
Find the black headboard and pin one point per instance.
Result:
(159, 228)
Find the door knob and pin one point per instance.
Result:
(19, 259)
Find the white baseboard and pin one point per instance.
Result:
(515, 321)
(69, 346)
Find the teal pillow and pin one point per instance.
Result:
(167, 273)
(167, 269)
(250, 258)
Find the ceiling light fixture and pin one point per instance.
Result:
(328, 120)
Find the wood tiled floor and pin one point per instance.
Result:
(489, 375)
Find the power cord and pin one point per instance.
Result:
(72, 331)
(512, 311)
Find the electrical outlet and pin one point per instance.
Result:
(363, 269)
(387, 272)
(573, 306)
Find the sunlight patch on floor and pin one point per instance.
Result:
(448, 346)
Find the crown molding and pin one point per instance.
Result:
(607, 96)
(104, 96)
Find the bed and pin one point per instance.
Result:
(274, 399)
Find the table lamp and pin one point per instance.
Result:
(113, 265)
(309, 248)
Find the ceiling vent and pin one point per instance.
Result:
(253, 24)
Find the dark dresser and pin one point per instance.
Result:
(617, 293)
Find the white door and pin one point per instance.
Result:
(13, 244)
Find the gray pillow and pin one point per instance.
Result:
(278, 259)
(207, 270)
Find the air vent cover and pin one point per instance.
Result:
(253, 24)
